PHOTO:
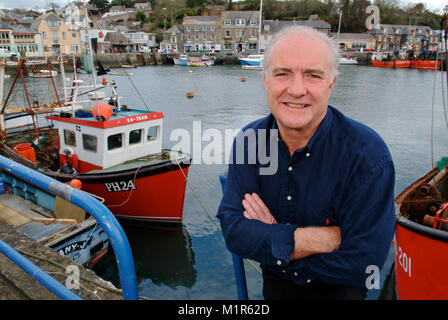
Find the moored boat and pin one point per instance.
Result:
(43, 74)
(253, 61)
(426, 64)
(347, 61)
(421, 237)
(394, 64)
(115, 152)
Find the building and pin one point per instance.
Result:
(173, 40)
(240, 31)
(355, 41)
(77, 20)
(396, 37)
(201, 34)
(27, 43)
(6, 37)
(57, 39)
(141, 39)
(270, 27)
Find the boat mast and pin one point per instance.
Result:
(259, 27)
(64, 85)
(2, 81)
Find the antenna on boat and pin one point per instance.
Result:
(2, 82)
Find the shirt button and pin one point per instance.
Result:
(289, 168)
(308, 281)
(284, 271)
(308, 154)
(289, 197)
(295, 274)
(279, 262)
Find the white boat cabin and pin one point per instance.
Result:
(88, 144)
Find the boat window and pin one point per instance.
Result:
(152, 133)
(69, 138)
(135, 136)
(89, 142)
(115, 141)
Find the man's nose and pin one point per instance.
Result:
(297, 86)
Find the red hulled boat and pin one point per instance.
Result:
(110, 151)
(426, 64)
(394, 64)
(421, 237)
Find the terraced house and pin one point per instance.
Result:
(56, 37)
(240, 31)
(202, 34)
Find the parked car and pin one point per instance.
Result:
(5, 53)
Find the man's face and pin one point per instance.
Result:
(298, 83)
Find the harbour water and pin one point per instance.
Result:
(191, 261)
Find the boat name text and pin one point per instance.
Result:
(119, 186)
(137, 118)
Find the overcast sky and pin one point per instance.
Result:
(9, 4)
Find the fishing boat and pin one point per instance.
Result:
(421, 237)
(181, 60)
(394, 64)
(115, 152)
(347, 61)
(252, 61)
(43, 74)
(128, 66)
(426, 64)
(51, 220)
(421, 234)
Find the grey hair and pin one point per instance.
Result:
(309, 32)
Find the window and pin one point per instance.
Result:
(227, 33)
(240, 22)
(69, 138)
(227, 22)
(239, 33)
(196, 28)
(188, 37)
(152, 133)
(44, 35)
(253, 33)
(212, 28)
(253, 21)
(212, 37)
(196, 37)
(115, 141)
(204, 28)
(73, 34)
(89, 142)
(135, 136)
(204, 37)
(188, 28)
(63, 35)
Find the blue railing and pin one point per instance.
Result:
(102, 215)
(238, 263)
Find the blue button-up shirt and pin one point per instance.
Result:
(343, 177)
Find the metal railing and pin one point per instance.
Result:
(102, 215)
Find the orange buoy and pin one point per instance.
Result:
(102, 111)
(190, 95)
(234, 68)
(104, 81)
(243, 79)
(76, 183)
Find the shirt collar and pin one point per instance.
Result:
(322, 130)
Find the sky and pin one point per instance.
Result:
(9, 4)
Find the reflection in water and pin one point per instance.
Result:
(162, 253)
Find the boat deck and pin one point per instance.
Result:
(16, 213)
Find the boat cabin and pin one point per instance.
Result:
(88, 144)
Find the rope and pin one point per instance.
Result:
(208, 213)
(130, 193)
(432, 117)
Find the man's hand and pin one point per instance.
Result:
(314, 240)
(256, 209)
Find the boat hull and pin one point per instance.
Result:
(425, 64)
(395, 64)
(420, 257)
(154, 194)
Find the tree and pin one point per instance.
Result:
(102, 5)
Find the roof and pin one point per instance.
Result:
(252, 14)
(20, 29)
(50, 16)
(174, 29)
(276, 26)
(202, 20)
(354, 36)
(116, 38)
(400, 29)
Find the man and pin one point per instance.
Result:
(326, 216)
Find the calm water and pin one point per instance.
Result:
(191, 261)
